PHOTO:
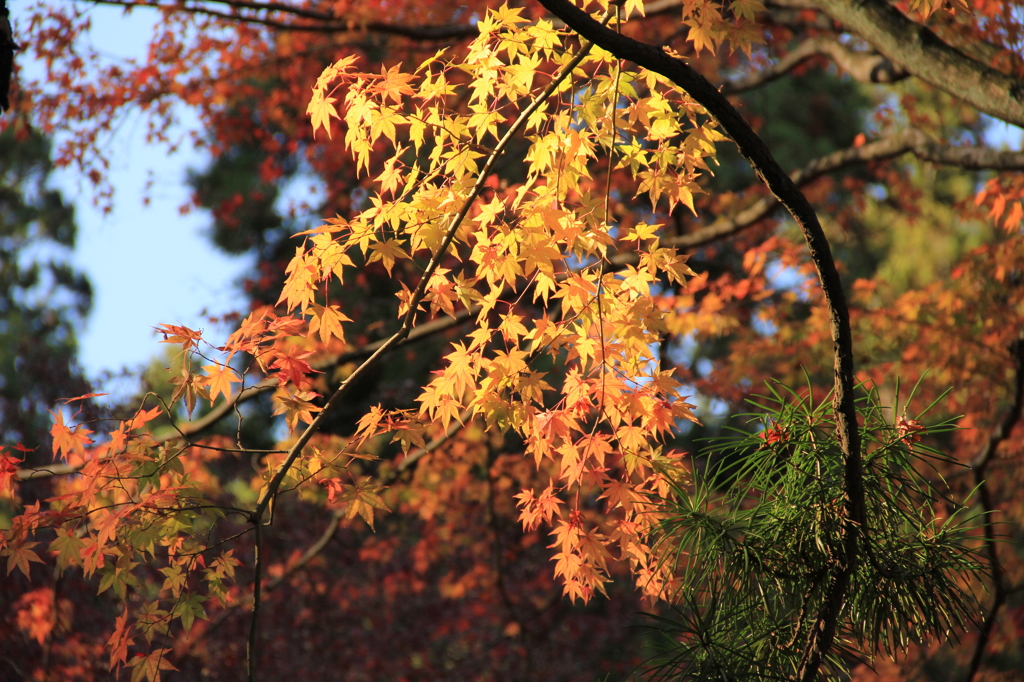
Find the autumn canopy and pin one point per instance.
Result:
(668, 340)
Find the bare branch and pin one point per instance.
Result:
(322, 21)
(336, 516)
(866, 67)
(914, 141)
(926, 56)
(250, 649)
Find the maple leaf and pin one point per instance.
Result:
(387, 252)
(21, 556)
(321, 110)
(68, 547)
(119, 641)
(327, 322)
(68, 440)
(577, 291)
(188, 609)
(295, 406)
(220, 378)
(190, 387)
(148, 666)
(292, 366)
(8, 472)
(393, 84)
(188, 338)
(361, 498)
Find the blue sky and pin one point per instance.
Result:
(147, 263)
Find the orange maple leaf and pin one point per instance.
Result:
(220, 379)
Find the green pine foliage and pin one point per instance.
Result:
(758, 538)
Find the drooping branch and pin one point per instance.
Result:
(866, 67)
(917, 49)
(979, 467)
(823, 629)
(421, 289)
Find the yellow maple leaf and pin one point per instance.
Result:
(320, 110)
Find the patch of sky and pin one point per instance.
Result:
(785, 278)
(1001, 135)
(148, 263)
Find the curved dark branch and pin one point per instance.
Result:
(981, 462)
(753, 149)
(926, 56)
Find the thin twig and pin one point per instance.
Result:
(333, 523)
(250, 654)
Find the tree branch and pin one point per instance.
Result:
(208, 420)
(325, 23)
(914, 141)
(753, 149)
(254, 618)
(917, 49)
(981, 462)
(333, 523)
(865, 67)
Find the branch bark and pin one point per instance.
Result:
(865, 67)
(917, 49)
(822, 631)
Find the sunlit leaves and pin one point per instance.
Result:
(321, 107)
(526, 242)
(220, 380)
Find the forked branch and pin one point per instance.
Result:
(917, 49)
